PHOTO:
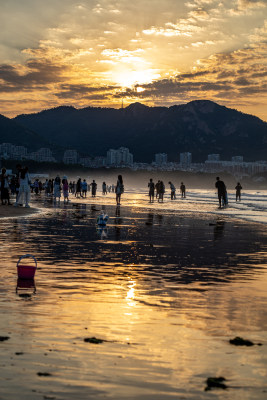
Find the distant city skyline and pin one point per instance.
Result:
(108, 53)
(122, 158)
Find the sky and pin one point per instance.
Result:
(160, 53)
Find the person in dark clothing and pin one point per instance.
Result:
(157, 188)
(182, 190)
(94, 187)
(119, 189)
(151, 192)
(238, 191)
(161, 191)
(78, 188)
(220, 186)
(4, 188)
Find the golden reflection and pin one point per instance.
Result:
(131, 294)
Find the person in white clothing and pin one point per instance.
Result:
(24, 188)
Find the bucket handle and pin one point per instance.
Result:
(27, 256)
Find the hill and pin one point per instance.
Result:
(12, 132)
(201, 127)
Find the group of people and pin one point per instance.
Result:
(159, 189)
(21, 186)
(80, 188)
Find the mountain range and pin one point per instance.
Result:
(201, 127)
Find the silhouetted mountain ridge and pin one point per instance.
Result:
(12, 132)
(201, 127)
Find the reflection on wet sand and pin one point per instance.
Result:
(165, 290)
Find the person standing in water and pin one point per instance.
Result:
(220, 185)
(238, 191)
(119, 189)
(151, 192)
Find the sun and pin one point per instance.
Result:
(128, 78)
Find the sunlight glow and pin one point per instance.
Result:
(127, 78)
(131, 294)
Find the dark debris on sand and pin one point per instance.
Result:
(94, 340)
(215, 383)
(3, 338)
(238, 341)
(44, 374)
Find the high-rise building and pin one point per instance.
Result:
(121, 156)
(161, 158)
(185, 159)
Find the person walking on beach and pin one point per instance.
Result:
(24, 188)
(238, 191)
(4, 188)
(182, 190)
(94, 187)
(151, 192)
(220, 185)
(173, 189)
(119, 189)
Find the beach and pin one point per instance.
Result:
(13, 212)
(162, 290)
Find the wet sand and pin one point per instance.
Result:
(11, 211)
(164, 290)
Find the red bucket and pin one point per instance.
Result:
(26, 271)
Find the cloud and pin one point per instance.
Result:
(246, 7)
(181, 28)
(37, 75)
(77, 91)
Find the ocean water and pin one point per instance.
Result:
(252, 207)
(165, 286)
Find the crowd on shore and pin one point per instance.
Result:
(20, 186)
